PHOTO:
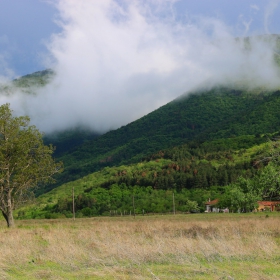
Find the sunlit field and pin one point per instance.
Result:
(195, 246)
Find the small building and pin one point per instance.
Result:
(211, 206)
(268, 206)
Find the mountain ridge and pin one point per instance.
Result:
(215, 114)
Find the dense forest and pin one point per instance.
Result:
(178, 179)
(216, 114)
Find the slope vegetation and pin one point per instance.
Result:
(215, 114)
(193, 172)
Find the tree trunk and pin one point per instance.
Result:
(9, 218)
(8, 213)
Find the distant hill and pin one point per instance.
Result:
(39, 78)
(28, 83)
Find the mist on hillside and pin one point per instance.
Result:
(116, 61)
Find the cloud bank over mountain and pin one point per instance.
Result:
(116, 61)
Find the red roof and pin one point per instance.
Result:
(212, 202)
(268, 203)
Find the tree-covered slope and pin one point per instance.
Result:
(194, 172)
(213, 114)
(200, 116)
(28, 84)
(68, 140)
(205, 115)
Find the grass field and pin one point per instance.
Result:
(196, 246)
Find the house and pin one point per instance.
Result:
(212, 206)
(268, 206)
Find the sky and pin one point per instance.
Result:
(117, 60)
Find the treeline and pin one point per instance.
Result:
(121, 199)
(183, 175)
(125, 200)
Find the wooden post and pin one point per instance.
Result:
(133, 206)
(174, 210)
(73, 203)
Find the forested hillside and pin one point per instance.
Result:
(192, 173)
(207, 115)
(27, 84)
(192, 125)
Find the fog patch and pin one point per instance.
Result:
(116, 61)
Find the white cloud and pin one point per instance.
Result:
(116, 62)
(255, 7)
(269, 10)
(246, 24)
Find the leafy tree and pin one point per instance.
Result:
(191, 206)
(269, 181)
(241, 195)
(25, 162)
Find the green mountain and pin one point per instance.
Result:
(28, 83)
(204, 139)
(36, 79)
(208, 115)
(225, 115)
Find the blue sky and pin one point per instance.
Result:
(26, 26)
(117, 60)
(235, 13)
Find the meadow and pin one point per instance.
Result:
(190, 246)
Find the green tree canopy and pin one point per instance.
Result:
(269, 181)
(242, 195)
(25, 162)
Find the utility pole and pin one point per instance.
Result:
(73, 203)
(133, 206)
(174, 210)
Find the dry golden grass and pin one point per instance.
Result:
(197, 246)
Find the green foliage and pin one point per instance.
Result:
(118, 200)
(194, 175)
(268, 182)
(66, 141)
(25, 162)
(37, 79)
(28, 84)
(198, 146)
(223, 115)
(190, 175)
(241, 196)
